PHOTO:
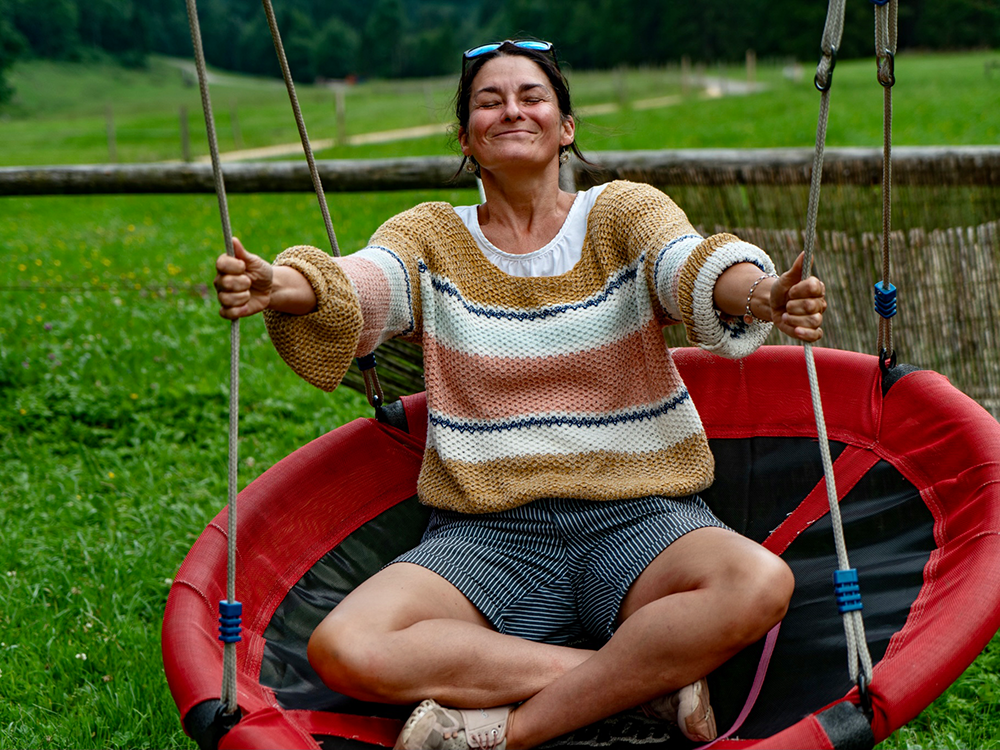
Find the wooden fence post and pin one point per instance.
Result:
(234, 122)
(340, 104)
(621, 86)
(112, 141)
(185, 135)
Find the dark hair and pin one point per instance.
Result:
(546, 60)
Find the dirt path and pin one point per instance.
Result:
(295, 149)
(712, 88)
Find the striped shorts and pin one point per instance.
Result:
(555, 570)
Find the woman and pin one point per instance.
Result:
(563, 455)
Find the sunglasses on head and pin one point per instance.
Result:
(485, 49)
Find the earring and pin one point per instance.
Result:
(470, 165)
(564, 156)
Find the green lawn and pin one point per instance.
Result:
(61, 113)
(113, 394)
(114, 362)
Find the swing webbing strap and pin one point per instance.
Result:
(758, 683)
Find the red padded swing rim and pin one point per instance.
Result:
(941, 441)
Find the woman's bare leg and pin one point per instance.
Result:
(706, 597)
(407, 634)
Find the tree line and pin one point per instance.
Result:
(408, 38)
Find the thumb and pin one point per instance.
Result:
(252, 263)
(239, 251)
(794, 273)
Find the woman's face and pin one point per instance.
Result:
(514, 118)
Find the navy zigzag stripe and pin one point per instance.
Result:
(449, 289)
(639, 416)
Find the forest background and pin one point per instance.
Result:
(337, 39)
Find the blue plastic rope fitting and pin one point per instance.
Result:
(230, 616)
(879, 2)
(366, 363)
(845, 586)
(885, 300)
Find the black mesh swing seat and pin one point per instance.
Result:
(917, 469)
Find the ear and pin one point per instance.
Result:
(463, 141)
(568, 131)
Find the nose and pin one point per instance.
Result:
(511, 109)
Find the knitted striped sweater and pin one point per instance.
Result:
(536, 387)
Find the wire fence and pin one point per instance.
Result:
(945, 264)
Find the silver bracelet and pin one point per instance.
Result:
(748, 316)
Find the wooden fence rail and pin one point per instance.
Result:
(965, 165)
(946, 242)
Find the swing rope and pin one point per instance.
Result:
(373, 389)
(845, 578)
(286, 73)
(886, 15)
(230, 609)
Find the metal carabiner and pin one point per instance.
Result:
(832, 57)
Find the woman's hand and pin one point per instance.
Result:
(797, 306)
(242, 283)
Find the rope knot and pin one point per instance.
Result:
(887, 69)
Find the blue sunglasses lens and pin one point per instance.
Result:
(485, 49)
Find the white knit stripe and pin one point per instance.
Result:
(622, 308)
(736, 339)
(655, 428)
(400, 318)
(667, 271)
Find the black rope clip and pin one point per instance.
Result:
(832, 57)
(886, 361)
(887, 69)
(865, 698)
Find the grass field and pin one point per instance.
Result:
(114, 363)
(933, 97)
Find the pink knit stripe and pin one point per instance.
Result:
(597, 381)
(375, 296)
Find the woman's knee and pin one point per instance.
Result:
(344, 655)
(766, 585)
(777, 585)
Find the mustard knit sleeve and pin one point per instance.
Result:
(318, 346)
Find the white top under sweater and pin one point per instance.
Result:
(556, 258)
